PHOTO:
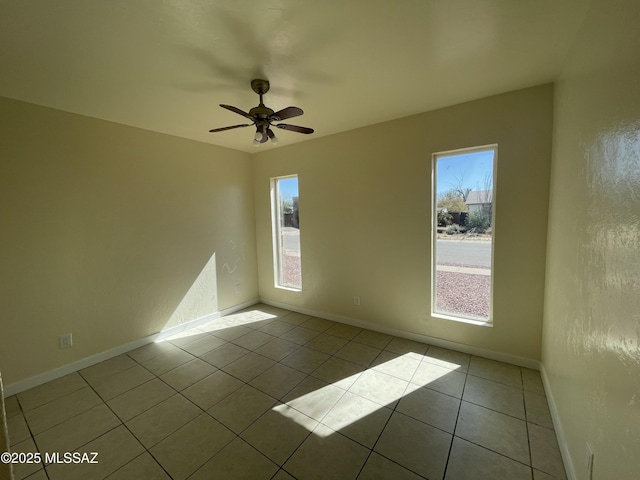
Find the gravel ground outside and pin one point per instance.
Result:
(462, 293)
(291, 271)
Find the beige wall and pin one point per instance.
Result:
(591, 341)
(113, 233)
(365, 208)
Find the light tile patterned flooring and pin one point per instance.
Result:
(271, 394)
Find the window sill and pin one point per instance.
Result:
(471, 321)
(288, 289)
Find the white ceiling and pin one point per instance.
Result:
(165, 65)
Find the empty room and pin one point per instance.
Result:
(320, 240)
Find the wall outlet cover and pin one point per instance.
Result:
(66, 340)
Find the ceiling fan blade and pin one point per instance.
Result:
(229, 128)
(294, 128)
(238, 111)
(285, 113)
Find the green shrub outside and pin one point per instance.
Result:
(444, 219)
(479, 221)
(453, 229)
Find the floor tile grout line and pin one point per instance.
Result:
(526, 425)
(495, 381)
(372, 450)
(133, 459)
(92, 440)
(493, 410)
(489, 449)
(204, 463)
(25, 411)
(455, 426)
(494, 451)
(295, 449)
(31, 437)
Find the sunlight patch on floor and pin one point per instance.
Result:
(378, 385)
(244, 318)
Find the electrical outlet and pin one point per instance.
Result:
(66, 340)
(356, 300)
(237, 288)
(588, 462)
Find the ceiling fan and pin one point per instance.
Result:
(262, 117)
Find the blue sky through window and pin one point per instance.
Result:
(288, 187)
(471, 167)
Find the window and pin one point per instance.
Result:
(286, 232)
(462, 224)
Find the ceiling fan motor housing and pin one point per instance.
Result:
(261, 111)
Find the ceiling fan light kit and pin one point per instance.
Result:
(262, 117)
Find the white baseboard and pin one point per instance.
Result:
(45, 377)
(557, 425)
(200, 321)
(438, 342)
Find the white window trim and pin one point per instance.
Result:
(434, 233)
(276, 235)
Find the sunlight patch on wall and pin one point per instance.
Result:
(201, 299)
(225, 323)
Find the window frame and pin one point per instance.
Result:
(434, 234)
(276, 234)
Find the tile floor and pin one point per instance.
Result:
(271, 394)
